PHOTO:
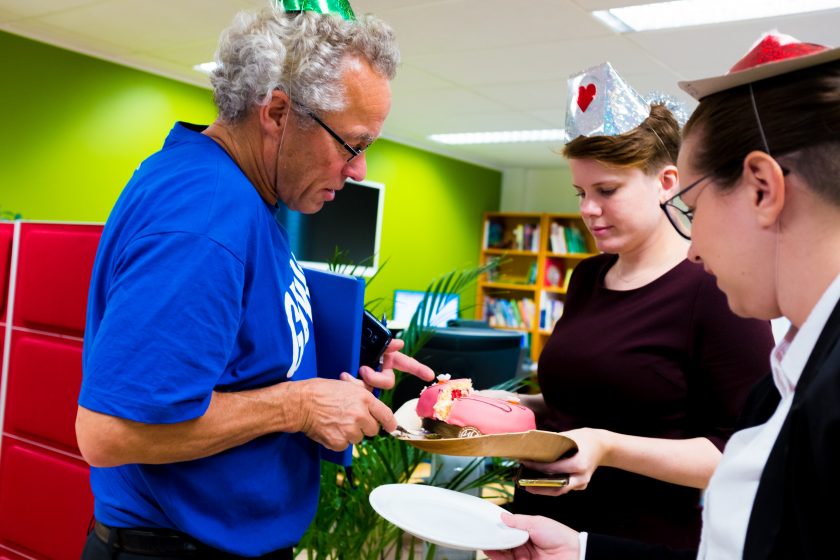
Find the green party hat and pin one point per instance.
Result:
(338, 7)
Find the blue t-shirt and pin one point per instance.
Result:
(195, 290)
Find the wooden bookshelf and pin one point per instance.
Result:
(538, 252)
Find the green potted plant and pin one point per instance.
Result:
(9, 215)
(345, 526)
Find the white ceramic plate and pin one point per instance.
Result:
(445, 517)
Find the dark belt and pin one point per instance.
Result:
(163, 542)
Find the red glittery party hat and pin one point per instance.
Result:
(772, 55)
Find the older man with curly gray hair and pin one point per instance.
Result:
(308, 70)
(200, 410)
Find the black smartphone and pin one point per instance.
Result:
(375, 339)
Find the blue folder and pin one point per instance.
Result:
(337, 307)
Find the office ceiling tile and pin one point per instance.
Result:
(468, 65)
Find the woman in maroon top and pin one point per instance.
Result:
(648, 368)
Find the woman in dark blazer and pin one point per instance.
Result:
(761, 158)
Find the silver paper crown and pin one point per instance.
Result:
(677, 107)
(601, 103)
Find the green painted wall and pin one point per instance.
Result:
(432, 221)
(76, 127)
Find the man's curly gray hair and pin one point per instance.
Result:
(299, 53)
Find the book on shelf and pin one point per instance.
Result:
(532, 273)
(554, 272)
(492, 313)
(507, 313)
(516, 313)
(523, 313)
(557, 238)
(526, 308)
(534, 245)
(516, 318)
(574, 240)
(518, 236)
(527, 237)
(493, 234)
(521, 237)
(550, 311)
(567, 278)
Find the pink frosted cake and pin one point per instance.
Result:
(451, 409)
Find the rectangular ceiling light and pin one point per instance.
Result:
(503, 137)
(685, 13)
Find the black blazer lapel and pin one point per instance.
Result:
(763, 530)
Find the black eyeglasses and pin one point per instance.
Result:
(678, 212)
(354, 153)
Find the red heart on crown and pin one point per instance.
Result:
(585, 96)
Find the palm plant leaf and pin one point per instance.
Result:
(345, 525)
(420, 327)
(340, 263)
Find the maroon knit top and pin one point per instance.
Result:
(667, 360)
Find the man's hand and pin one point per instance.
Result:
(392, 359)
(336, 413)
(549, 540)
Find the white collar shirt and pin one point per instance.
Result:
(729, 498)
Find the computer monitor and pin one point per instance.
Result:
(351, 224)
(406, 302)
(487, 356)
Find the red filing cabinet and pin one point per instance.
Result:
(7, 230)
(45, 498)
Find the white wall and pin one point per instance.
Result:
(538, 190)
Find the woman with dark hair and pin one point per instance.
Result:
(762, 157)
(647, 369)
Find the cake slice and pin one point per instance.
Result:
(452, 409)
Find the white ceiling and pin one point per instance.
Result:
(468, 65)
